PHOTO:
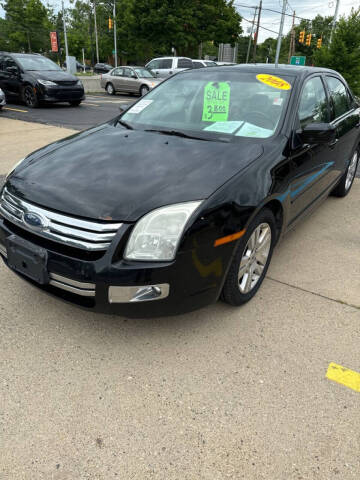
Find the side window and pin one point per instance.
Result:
(9, 62)
(153, 64)
(117, 72)
(165, 63)
(184, 63)
(339, 96)
(127, 72)
(197, 65)
(313, 107)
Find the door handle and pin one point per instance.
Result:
(332, 144)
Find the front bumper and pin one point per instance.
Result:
(61, 94)
(109, 284)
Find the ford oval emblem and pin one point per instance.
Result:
(35, 221)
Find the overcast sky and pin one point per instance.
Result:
(271, 20)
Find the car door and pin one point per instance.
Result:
(345, 117)
(311, 166)
(130, 83)
(117, 79)
(10, 79)
(164, 67)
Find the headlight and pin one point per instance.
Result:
(13, 168)
(46, 83)
(156, 236)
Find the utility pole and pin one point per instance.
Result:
(251, 34)
(278, 46)
(335, 18)
(257, 32)
(292, 39)
(65, 39)
(115, 42)
(96, 35)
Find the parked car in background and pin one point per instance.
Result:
(203, 63)
(227, 64)
(129, 79)
(80, 67)
(165, 66)
(102, 68)
(33, 79)
(2, 99)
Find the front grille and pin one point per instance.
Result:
(68, 83)
(70, 231)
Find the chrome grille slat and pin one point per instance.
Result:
(63, 229)
(74, 286)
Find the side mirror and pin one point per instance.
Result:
(318, 133)
(13, 70)
(125, 106)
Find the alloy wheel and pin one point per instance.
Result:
(29, 97)
(254, 257)
(144, 91)
(351, 170)
(110, 89)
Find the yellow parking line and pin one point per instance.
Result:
(15, 109)
(343, 375)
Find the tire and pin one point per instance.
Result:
(254, 253)
(144, 90)
(345, 184)
(110, 90)
(75, 103)
(30, 97)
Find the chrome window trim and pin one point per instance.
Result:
(79, 288)
(68, 230)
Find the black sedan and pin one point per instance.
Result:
(181, 199)
(102, 68)
(34, 79)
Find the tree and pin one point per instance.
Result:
(343, 54)
(184, 24)
(26, 26)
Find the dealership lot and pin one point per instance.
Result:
(219, 393)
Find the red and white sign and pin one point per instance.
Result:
(54, 42)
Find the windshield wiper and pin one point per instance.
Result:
(177, 133)
(125, 124)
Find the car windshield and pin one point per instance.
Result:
(144, 73)
(213, 102)
(38, 63)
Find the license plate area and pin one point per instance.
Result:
(28, 259)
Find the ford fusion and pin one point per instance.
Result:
(180, 200)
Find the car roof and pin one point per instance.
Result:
(160, 58)
(282, 69)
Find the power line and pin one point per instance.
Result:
(274, 11)
(263, 28)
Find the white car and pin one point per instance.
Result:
(2, 99)
(165, 66)
(203, 63)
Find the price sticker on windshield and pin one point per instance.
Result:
(273, 81)
(216, 102)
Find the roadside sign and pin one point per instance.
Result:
(297, 60)
(54, 41)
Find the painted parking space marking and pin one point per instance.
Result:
(15, 109)
(344, 376)
(91, 104)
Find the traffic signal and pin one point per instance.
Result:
(319, 43)
(110, 24)
(308, 39)
(302, 36)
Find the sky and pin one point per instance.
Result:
(303, 8)
(271, 20)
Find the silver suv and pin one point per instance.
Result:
(164, 66)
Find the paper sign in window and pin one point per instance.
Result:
(216, 102)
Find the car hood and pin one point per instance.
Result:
(111, 173)
(151, 81)
(54, 76)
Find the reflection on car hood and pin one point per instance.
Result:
(55, 76)
(112, 173)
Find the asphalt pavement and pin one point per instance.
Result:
(221, 393)
(95, 109)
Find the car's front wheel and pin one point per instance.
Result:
(30, 97)
(143, 90)
(110, 89)
(345, 184)
(251, 260)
